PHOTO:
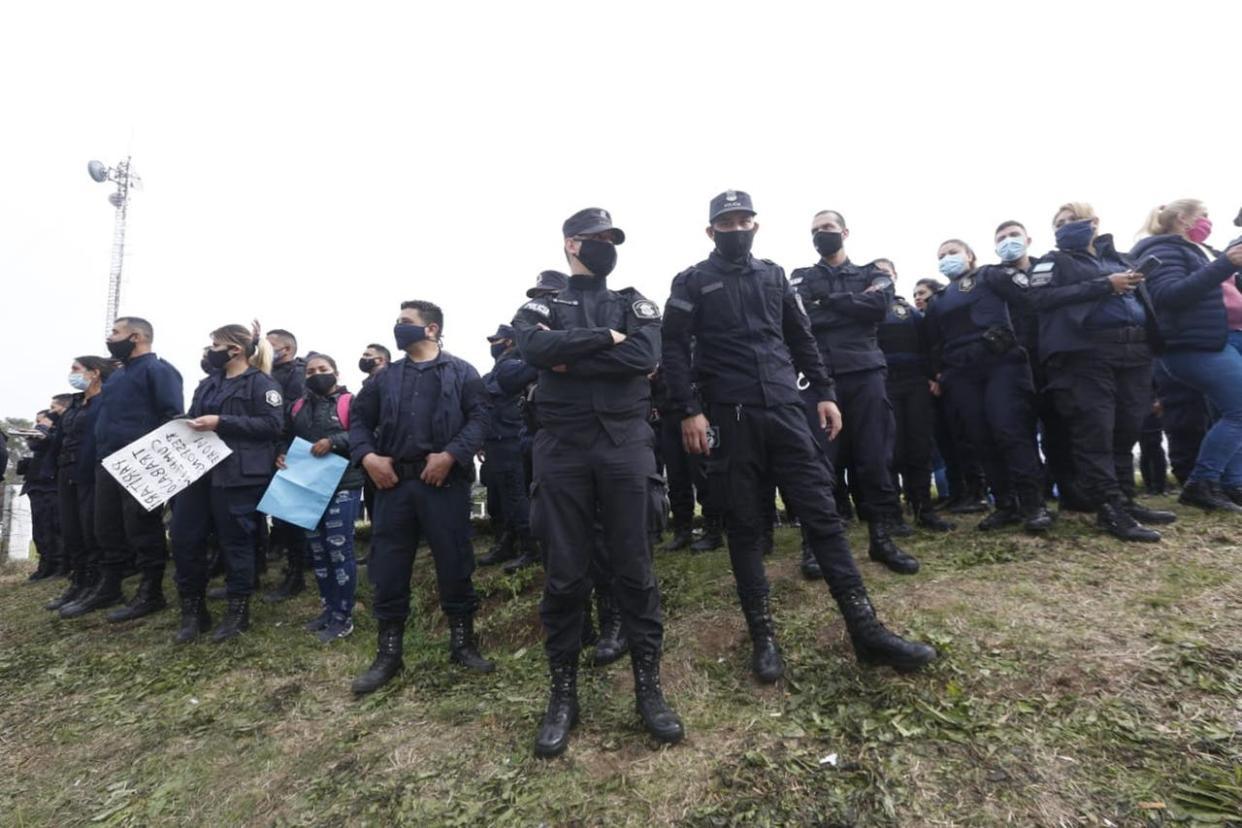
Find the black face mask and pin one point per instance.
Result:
(600, 257)
(321, 384)
(498, 348)
(121, 349)
(828, 244)
(216, 360)
(734, 245)
(366, 365)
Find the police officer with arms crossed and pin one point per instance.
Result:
(846, 303)
(594, 348)
(415, 429)
(750, 337)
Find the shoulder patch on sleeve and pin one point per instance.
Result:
(1041, 274)
(646, 309)
(795, 281)
(680, 304)
(1043, 266)
(538, 307)
(273, 398)
(1020, 279)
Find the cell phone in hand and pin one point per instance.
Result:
(1149, 264)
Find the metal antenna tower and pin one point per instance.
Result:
(126, 180)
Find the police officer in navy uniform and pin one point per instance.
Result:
(289, 372)
(38, 472)
(241, 403)
(594, 348)
(846, 304)
(143, 394)
(1096, 333)
(416, 429)
(502, 452)
(902, 337)
(750, 337)
(986, 381)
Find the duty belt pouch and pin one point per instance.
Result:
(999, 340)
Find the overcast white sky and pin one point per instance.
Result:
(314, 165)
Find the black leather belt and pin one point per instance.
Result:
(1118, 335)
(409, 469)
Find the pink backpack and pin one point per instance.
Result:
(342, 408)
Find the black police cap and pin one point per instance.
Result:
(502, 332)
(730, 201)
(590, 221)
(549, 281)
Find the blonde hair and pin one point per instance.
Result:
(1078, 209)
(257, 350)
(1160, 219)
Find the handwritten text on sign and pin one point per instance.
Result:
(157, 466)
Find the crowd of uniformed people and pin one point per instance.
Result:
(1007, 385)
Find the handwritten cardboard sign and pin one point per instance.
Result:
(157, 466)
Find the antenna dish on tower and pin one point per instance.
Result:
(97, 171)
(116, 200)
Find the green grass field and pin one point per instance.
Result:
(1082, 682)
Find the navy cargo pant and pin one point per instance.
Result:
(126, 531)
(759, 446)
(576, 482)
(911, 399)
(867, 439)
(204, 510)
(411, 511)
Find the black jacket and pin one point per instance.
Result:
(844, 317)
(739, 334)
(902, 337)
(505, 383)
(138, 398)
(39, 469)
(604, 384)
(317, 417)
(291, 378)
(73, 441)
(1185, 290)
(252, 420)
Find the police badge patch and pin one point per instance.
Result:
(1020, 279)
(900, 311)
(538, 307)
(966, 284)
(273, 398)
(645, 309)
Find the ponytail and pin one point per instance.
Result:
(257, 349)
(1161, 219)
(261, 358)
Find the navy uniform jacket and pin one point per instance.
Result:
(139, 397)
(902, 337)
(381, 421)
(290, 377)
(1067, 286)
(844, 317)
(1185, 290)
(252, 420)
(972, 304)
(750, 337)
(505, 383)
(73, 441)
(38, 471)
(605, 385)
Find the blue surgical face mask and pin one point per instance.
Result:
(1011, 248)
(407, 335)
(1075, 235)
(79, 382)
(954, 265)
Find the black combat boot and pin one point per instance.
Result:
(974, 500)
(105, 593)
(1035, 515)
(1207, 496)
(45, 569)
(926, 518)
(387, 661)
(562, 714)
(876, 644)
(236, 620)
(463, 649)
(293, 584)
(897, 526)
(659, 719)
(529, 554)
(195, 619)
(148, 599)
(78, 584)
(1232, 493)
(589, 635)
(883, 550)
(1153, 517)
(810, 564)
(501, 551)
(765, 658)
(612, 642)
(1114, 519)
(711, 538)
(1005, 514)
(682, 538)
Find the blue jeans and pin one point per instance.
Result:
(1218, 375)
(332, 553)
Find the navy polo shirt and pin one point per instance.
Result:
(420, 394)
